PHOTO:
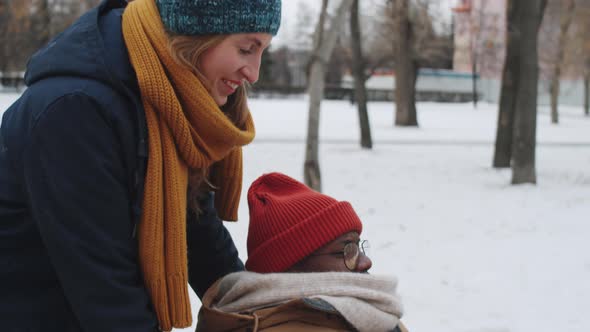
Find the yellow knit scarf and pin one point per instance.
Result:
(186, 129)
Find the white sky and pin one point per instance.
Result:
(290, 11)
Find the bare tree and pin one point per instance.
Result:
(15, 35)
(476, 28)
(4, 18)
(582, 43)
(358, 70)
(510, 77)
(27, 25)
(566, 15)
(525, 122)
(479, 38)
(516, 135)
(337, 63)
(376, 38)
(302, 33)
(564, 51)
(510, 83)
(324, 42)
(587, 89)
(408, 27)
(406, 68)
(42, 22)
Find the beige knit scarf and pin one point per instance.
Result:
(369, 303)
(186, 130)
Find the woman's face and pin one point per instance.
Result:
(228, 64)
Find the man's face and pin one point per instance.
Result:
(331, 257)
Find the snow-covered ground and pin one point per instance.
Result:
(472, 253)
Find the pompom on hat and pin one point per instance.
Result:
(289, 221)
(204, 17)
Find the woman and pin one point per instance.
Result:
(131, 116)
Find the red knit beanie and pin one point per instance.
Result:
(289, 221)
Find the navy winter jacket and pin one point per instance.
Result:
(72, 166)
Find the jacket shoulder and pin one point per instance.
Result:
(84, 100)
(45, 92)
(20, 119)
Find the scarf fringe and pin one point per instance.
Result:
(158, 294)
(177, 287)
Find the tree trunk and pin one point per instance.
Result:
(474, 77)
(510, 83)
(324, 42)
(312, 174)
(43, 26)
(554, 94)
(564, 25)
(5, 19)
(586, 93)
(316, 73)
(530, 14)
(358, 70)
(413, 120)
(405, 69)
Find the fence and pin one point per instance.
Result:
(12, 81)
(432, 85)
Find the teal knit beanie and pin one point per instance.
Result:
(203, 17)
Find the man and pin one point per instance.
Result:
(302, 246)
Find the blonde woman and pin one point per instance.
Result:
(132, 118)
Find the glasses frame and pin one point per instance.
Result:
(355, 250)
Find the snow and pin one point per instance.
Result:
(472, 253)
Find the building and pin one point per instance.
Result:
(480, 39)
(479, 36)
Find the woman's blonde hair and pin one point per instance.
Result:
(187, 51)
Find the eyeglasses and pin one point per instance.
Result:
(351, 253)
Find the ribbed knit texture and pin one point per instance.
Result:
(370, 303)
(202, 17)
(186, 129)
(289, 221)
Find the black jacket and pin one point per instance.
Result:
(72, 164)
